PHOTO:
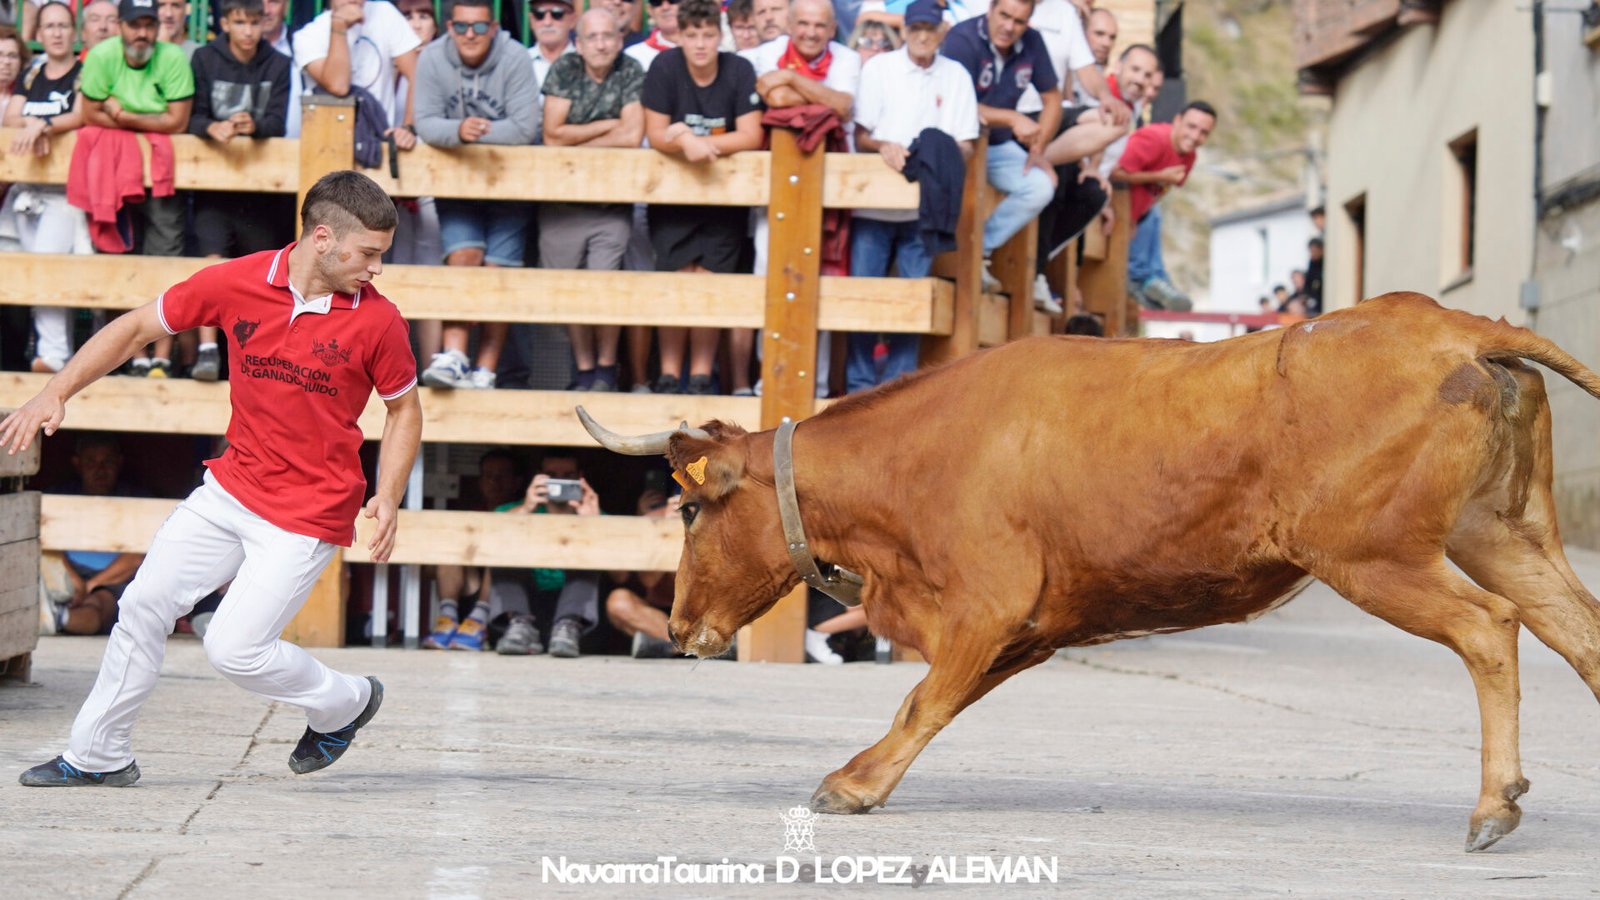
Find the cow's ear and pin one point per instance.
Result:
(710, 470)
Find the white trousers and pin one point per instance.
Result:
(47, 223)
(208, 540)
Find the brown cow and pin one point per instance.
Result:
(1057, 492)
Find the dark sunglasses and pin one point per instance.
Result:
(550, 12)
(479, 28)
(655, 3)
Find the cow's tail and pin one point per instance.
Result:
(1502, 339)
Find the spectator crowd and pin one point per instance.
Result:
(916, 83)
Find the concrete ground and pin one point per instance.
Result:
(1314, 752)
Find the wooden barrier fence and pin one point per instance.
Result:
(791, 302)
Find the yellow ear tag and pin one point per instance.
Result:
(697, 470)
(682, 481)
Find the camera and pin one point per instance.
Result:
(563, 490)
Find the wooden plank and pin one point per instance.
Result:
(577, 175)
(19, 626)
(488, 294)
(864, 181)
(19, 565)
(424, 537)
(270, 165)
(327, 140)
(994, 319)
(527, 418)
(23, 463)
(19, 517)
(789, 355)
(320, 622)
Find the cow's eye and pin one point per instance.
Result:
(689, 511)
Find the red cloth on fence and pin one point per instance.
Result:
(817, 123)
(107, 172)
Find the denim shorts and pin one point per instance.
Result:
(497, 228)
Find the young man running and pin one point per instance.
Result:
(309, 338)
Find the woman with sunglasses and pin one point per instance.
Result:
(43, 107)
(872, 36)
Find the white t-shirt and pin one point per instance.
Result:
(644, 54)
(844, 73)
(541, 66)
(296, 84)
(382, 35)
(899, 98)
(1058, 23)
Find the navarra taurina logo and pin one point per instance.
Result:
(243, 330)
(330, 353)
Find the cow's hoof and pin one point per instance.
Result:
(836, 802)
(1487, 832)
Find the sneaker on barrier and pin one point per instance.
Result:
(469, 636)
(319, 751)
(481, 380)
(1165, 295)
(447, 370)
(817, 649)
(207, 365)
(991, 284)
(521, 639)
(444, 628)
(1043, 300)
(564, 638)
(647, 647)
(60, 773)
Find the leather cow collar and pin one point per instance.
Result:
(839, 583)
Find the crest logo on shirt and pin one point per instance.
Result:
(1024, 76)
(330, 353)
(244, 330)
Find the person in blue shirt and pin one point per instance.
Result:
(1003, 56)
(98, 578)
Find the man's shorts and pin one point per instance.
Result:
(711, 236)
(235, 224)
(584, 236)
(498, 228)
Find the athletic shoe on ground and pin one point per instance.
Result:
(666, 384)
(444, 628)
(641, 389)
(648, 647)
(207, 365)
(701, 385)
(60, 773)
(469, 636)
(564, 638)
(1165, 295)
(139, 368)
(319, 751)
(744, 392)
(481, 380)
(447, 370)
(602, 383)
(1043, 300)
(991, 284)
(817, 649)
(520, 639)
(159, 369)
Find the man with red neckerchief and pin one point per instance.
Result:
(310, 339)
(663, 35)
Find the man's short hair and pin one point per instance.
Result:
(449, 10)
(518, 466)
(343, 200)
(95, 439)
(697, 13)
(250, 7)
(1084, 323)
(1201, 106)
(1134, 48)
(741, 10)
(1314, 242)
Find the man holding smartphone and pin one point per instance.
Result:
(558, 490)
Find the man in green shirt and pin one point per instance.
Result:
(136, 83)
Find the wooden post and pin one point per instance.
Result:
(19, 564)
(964, 265)
(327, 139)
(1014, 264)
(789, 357)
(1104, 282)
(320, 623)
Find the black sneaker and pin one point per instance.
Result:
(666, 384)
(703, 385)
(319, 751)
(60, 773)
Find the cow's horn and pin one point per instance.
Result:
(633, 445)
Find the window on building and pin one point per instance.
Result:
(1356, 211)
(1461, 215)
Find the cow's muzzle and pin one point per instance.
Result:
(698, 640)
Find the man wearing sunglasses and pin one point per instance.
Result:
(665, 35)
(552, 22)
(475, 88)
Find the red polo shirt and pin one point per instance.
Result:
(302, 373)
(1150, 150)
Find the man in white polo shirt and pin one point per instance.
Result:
(902, 93)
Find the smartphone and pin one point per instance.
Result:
(563, 490)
